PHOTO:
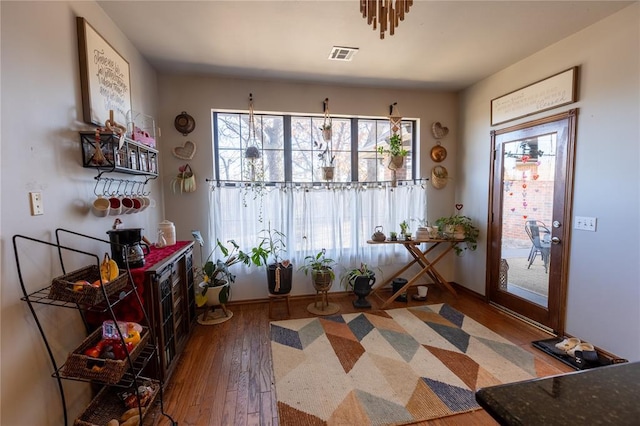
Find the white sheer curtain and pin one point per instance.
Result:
(337, 217)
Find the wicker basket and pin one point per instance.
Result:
(62, 287)
(81, 366)
(107, 405)
(439, 177)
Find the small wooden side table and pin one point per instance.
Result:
(273, 298)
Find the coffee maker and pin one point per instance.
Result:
(127, 248)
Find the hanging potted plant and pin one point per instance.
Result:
(395, 152)
(327, 133)
(326, 158)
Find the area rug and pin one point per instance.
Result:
(390, 367)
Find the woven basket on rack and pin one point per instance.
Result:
(81, 366)
(107, 405)
(62, 287)
(439, 177)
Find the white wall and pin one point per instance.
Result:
(604, 272)
(198, 95)
(40, 148)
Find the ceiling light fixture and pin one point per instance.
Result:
(386, 13)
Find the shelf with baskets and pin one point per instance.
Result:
(119, 154)
(123, 378)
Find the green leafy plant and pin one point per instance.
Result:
(348, 278)
(471, 232)
(395, 147)
(272, 245)
(318, 263)
(215, 273)
(404, 227)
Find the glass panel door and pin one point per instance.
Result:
(530, 194)
(528, 177)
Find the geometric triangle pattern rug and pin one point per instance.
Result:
(390, 367)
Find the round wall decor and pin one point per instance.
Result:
(184, 123)
(438, 153)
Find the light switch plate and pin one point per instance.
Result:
(37, 207)
(585, 223)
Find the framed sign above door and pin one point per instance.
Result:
(552, 92)
(104, 77)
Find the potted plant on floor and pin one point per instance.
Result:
(459, 227)
(216, 277)
(280, 272)
(361, 281)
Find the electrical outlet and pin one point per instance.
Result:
(585, 223)
(37, 207)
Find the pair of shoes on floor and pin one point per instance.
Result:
(571, 345)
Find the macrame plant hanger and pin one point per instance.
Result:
(253, 153)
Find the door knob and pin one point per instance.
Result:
(555, 240)
(556, 224)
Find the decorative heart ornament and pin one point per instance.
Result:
(439, 131)
(186, 151)
(459, 207)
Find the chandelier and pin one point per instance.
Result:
(385, 13)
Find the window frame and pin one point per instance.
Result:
(287, 146)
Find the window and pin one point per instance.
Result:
(291, 149)
(284, 188)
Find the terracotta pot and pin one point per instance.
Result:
(396, 162)
(327, 172)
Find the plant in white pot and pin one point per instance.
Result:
(216, 277)
(460, 228)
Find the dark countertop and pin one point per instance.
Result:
(601, 396)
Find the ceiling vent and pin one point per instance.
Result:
(339, 53)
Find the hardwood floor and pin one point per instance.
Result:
(224, 375)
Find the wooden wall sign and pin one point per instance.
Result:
(552, 92)
(104, 77)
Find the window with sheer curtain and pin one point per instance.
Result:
(282, 187)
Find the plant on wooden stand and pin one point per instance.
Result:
(280, 272)
(216, 277)
(321, 269)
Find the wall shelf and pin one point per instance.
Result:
(126, 156)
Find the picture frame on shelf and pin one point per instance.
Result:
(104, 77)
